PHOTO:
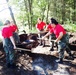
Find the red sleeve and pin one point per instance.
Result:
(51, 30)
(15, 28)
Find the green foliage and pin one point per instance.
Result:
(1, 23)
(70, 26)
(62, 10)
(33, 30)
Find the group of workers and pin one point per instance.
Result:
(10, 38)
(62, 38)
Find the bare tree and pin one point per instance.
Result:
(11, 12)
(48, 6)
(30, 10)
(74, 13)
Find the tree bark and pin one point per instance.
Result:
(74, 9)
(30, 11)
(11, 12)
(28, 18)
(48, 6)
(43, 14)
(63, 11)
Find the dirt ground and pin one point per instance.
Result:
(40, 63)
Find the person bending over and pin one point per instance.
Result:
(62, 39)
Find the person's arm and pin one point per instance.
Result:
(46, 35)
(13, 42)
(37, 28)
(16, 29)
(59, 37)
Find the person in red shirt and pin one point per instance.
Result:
(40, 25)
(62, 39)
(52, 37)
(48, 27)
(8, 44)
(40, 28)
(14, 29)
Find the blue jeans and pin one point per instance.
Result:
(9, 50)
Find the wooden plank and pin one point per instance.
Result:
(23, 49)
(36, 52)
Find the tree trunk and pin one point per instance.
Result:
(43, 14)
(48, 6)
(26, 8)
(30, 11)
(63, 11)
(11, 13)
(74, 9)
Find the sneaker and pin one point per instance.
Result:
(59, 61)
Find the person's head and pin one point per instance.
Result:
(53, 22)
(12, 23)
(39, 20)
(7, 22)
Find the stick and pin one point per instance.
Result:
(23, 49)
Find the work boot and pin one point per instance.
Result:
(71, 56)
(51, 49)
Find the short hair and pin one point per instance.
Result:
(7, 22)
(39, 18)
(53, 21)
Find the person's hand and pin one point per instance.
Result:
(14, 47)
(43, 38)
(55, 41)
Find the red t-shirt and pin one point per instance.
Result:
(13, 28)
(57, 30)
(49, 27)
(7, 32)
(41, 25)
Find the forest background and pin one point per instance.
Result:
(26, 12)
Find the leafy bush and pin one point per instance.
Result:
(70, 27)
